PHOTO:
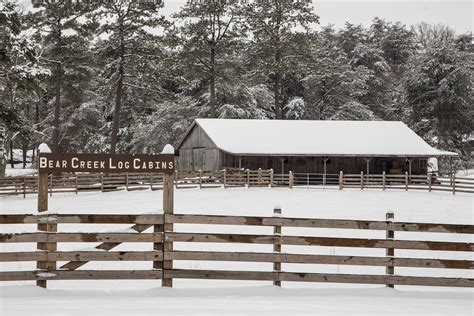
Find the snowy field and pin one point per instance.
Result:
(241, 297)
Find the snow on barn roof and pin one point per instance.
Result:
(317, 138)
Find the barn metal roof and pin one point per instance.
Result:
(317, 138)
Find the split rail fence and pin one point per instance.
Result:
(158, 231)
(83, 182)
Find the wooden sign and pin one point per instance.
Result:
(161, 163)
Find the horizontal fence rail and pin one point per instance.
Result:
(149, 228)
(231, 178)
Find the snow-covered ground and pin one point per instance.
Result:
(231, 297)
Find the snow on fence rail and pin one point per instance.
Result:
(228, 178)
(153, 229)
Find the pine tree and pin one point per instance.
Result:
(208, 35)
(276, 28)
(127, 53)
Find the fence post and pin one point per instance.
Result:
(277, 247)
(200, 179)
(290, 179)
(406, 181)
(126, 181)
(259, 176)
(225, 178)
(24, 187)
(51, 184)
(341, 180)
(430, 181)
(390, 252)
(76, 182)
(168, 209)
(271, 178)
(454, 184)
(42, 207)
(102, 182)
(362, 180)
(383, 180)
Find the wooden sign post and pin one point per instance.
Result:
(168, 209)
(119, 163)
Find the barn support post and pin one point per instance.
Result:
(410, 160)
(259, 176)
(389, 252)
(362, 180)
(240, 162)
(367, 162)
(341, 180)
(282, 160)
(290, 179)
(277, 247)
(325, 160)
(168, 209)
(42, 207)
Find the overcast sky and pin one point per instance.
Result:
(458, 14)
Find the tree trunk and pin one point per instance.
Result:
(276, 91)
(57, 103)
(118, 100)
(212, 85)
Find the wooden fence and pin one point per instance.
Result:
(230, 178)
(158, 231)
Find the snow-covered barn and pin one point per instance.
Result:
(305, 146)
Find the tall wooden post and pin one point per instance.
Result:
(42, 207)
(362, 180)
(430, 181)
(341, 180)
(271, 178)
(168, 209)
(384, 175)
(406, 181)
(290, 179)
(277, 247)
(454, 183)
(390, 252)
(200, 179)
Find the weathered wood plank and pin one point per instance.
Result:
(73, 265)
(81, 275)
(82, 219)
(319, 277)
(81, 256)
(80, 237)
(321, 241)
(319, 259)
(318, 223)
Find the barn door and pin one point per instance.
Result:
(198, 158)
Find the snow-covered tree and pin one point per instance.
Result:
(207, 36)
(439, 88)
(277, 29)
(127, 50)
(295, 109)
(353, 111)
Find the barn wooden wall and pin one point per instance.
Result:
(198, 152)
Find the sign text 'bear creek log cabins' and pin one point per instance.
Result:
(160, 163)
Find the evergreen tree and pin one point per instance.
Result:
(275, 28)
